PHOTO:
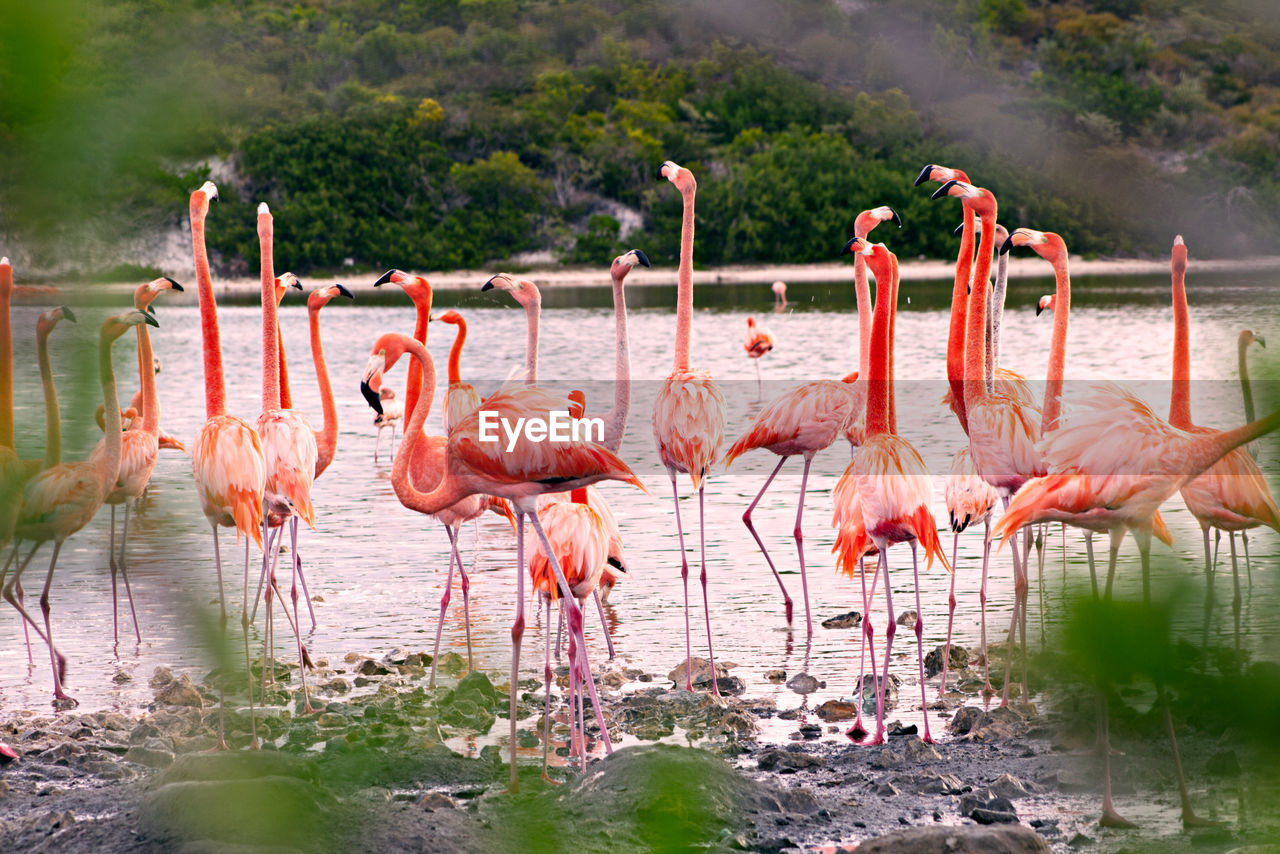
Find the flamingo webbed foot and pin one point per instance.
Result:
(1111, 818)
(857, 732)
(1191, 820)
(62, 701)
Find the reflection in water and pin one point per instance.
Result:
(377, 569)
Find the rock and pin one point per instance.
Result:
(1224, 763)
(1008, 786)
(451, 664)
(775, 676)
(369, 667)
(262, 812)
(433, 801)
(908, 619)
(837, 710)
(998, 839)
(179, 692)
(886, 757)
(1000, 724)
(804, 683)
(786, 761)
(160, 677)
(615, 679)
(731, 685)
(869, 682)
(918, 751)
(471, 704)
(983, 815)
(335, 686)
(847, 620)
(933, 660)
(810, 731)
(701, 672)
(932, 783)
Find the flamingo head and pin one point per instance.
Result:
(941, 174)
(1179, 256)
(416, 287)
(200, 200)
(144, 294)
(284, 281)
(48, 320)
(614, 571)
(624, 262)
(266, 223)
(118, 324)
(869, 219)
(320, 297)
(1046, 244)
(751, 322)
(978, 199)
(449, 316)
(1247, 337)
(678, 175)
(523, 291)
(877, 254)
(1045, 304)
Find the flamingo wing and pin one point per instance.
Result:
(688, 423)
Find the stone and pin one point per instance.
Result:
(369, 667)
(1008, 786)
(776, 675)
(262, 811)
(970, 839)
(160, 677)
(804, 683)
(149, 756)
(701, 672)
(787, 762)
(959, 659)
(433, 801)
(908, 619)
(731, 685)
(982, 815)
(179, 692)
(837, 710)
(847, 620)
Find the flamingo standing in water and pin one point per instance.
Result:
(464, 464)
(140, 450)
(61, 500)
(688, 416)
(970, 500)
(226, 455)
(758, 342)
(1233, 494)
(809, 418)
(894, 488)
(289, 449)
(779, 295)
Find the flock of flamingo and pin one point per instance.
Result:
(1102, 462)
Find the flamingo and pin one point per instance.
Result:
(140, 449)
(327, 435)
(688, 416)
(419, 291)
(1002, 431)
(894, 488)
(289, 449)
(463, 464)
(759, 342)
(970, 500)
(579, 538)
(1246, 338)
(1045, 303)
(779, 295)
(61, 500)
(226, 455)
(1233, 494)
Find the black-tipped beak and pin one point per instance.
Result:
(70, 315)
(173, 285)
(642, 258)
(848, 247)
(619, 566)
(959, 228)
(371, 396)
(342, 289)
(895, 219)
(1039, 309)
(384, 278)
(943, 190)
(488, 286)
(150, 319)
(1261, 341)
(296, 284)
(1007, 245)
(924, 175)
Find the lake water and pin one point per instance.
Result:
(379, 568)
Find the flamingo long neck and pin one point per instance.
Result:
(975, 344)
(147, 378)
(215, 389)
(327, 436)
(421, 302)
(1205, 450)
(879, 388)
(286, 398)
(455, 353)
(997, 316)
(1057, 345)
(1246, 387)
(109, 465)
(1180, 394)
(615, 421)
(956, 332)
(448, 489)
(684, 289)
(52, 414)
(862, 292)
(6, 357)
(893, 333)
(533, 318)
(270, 326)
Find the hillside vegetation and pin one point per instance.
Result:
(458, 133)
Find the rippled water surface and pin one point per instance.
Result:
(379, 568)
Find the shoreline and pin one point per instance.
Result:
(1027, 267)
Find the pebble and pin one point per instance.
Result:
(804, 683)
(433, 801)
(837, 710)
(787, 761)
(775, 676)
(847, 620)
(908, 619)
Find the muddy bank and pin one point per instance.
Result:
(382, 767)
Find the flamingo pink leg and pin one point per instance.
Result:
(987, 690)
(444, 604)
(546, 706)
(891, 628)
(604, 624)
(951, 615)
(684, 579)
(857, 732)
(14, 596)
(124, 573)
(57, 661)
(746, 520)
(706, 604)
(799, 536)
(517, 632)
(244, 624)
(924, 701)
(466, 603)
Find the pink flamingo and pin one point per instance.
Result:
(970, 500)
(1002, 431)
(61, 500)
(779, 295)
(894, 488)
(809, 418)
(688, 416)
(1233, 494)
(226, 455)
(1045, 303)
(759, 342)
(139, 450)
(464, 464)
